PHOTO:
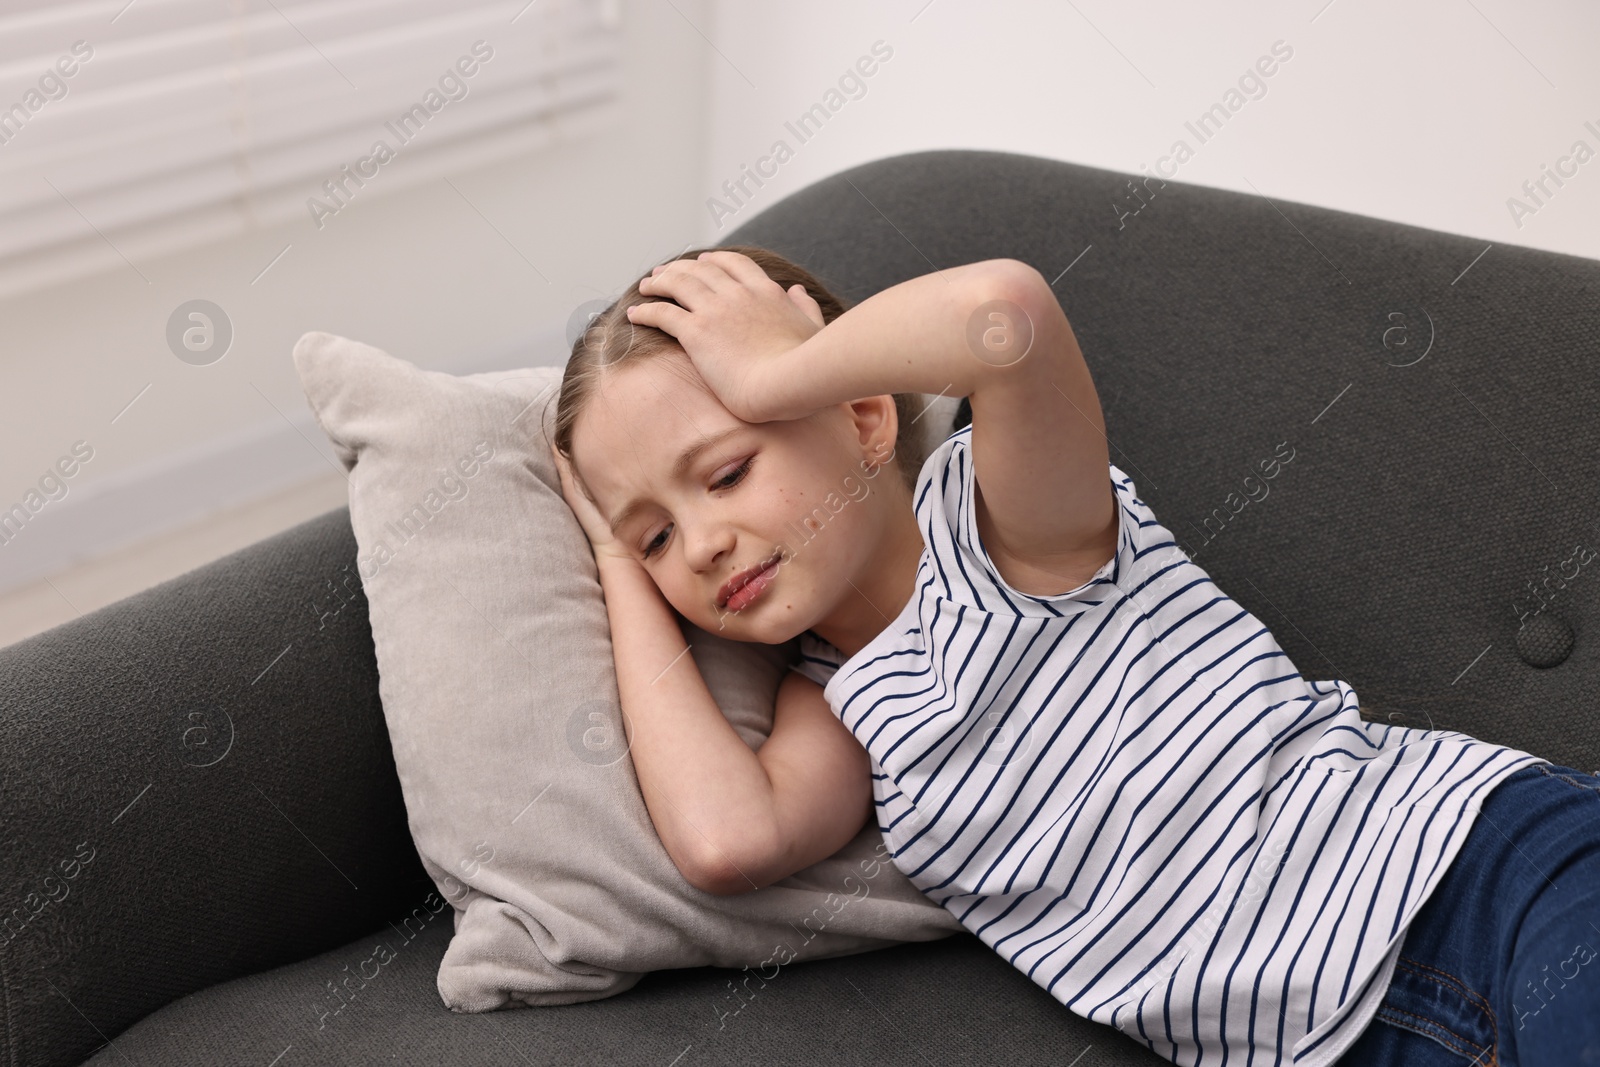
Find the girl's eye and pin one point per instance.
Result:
(654, 545)
(733, 478)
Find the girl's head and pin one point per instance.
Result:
(827, 496)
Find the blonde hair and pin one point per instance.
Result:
(612, 341)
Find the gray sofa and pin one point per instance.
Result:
(1432, 542)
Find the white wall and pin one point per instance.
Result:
(1431, 112)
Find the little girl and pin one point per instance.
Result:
(1069, 737)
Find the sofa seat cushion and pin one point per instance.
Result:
(947, 1001)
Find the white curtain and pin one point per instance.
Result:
(133, 129)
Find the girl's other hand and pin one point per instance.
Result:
(594, 524)
(732, 320)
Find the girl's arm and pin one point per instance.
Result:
(732, 819)
(992, 331)
(821, 789)
(914, 337)
(700, 781)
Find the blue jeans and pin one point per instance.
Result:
(1501, 965)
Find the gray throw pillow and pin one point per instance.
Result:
(499, 692)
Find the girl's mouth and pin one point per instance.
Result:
(752, 587)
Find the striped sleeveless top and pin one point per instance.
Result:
(1129, 792)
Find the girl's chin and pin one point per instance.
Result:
(745, 626)
(735, 627)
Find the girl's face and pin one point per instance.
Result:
(699, 496)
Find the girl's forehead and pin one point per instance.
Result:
(650, 403)
(639, 422)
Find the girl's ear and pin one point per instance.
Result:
(876, 423)
(803, 301)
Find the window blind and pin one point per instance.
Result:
(129, 130)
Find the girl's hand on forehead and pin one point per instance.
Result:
(594, 524)
(731, 319)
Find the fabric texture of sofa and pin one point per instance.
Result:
(205, 842)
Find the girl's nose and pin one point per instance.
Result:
(707, 545)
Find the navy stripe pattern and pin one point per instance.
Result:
(1129, 791)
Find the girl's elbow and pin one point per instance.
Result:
(761, 858)
(710, 877)
(1014, 280)
(704, 874)
(718, 875)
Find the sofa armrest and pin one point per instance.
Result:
(195, 784)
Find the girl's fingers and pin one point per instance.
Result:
(561, 470)
(717, 270)
(589, 518)
(660, 314)
(711, 277)
(714, 270)
(704, 267)
(738, 266)
(805, 303)
(688, 289)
